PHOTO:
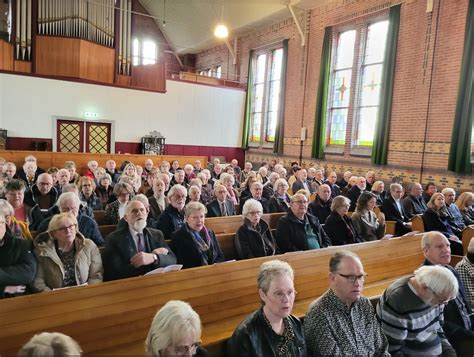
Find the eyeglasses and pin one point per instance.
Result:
(300, 202)
(253, 213)
(67, 228)
(181, 350)
(196, 218)
(281, 295)
(352, 278)
(441, 300)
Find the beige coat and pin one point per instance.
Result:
(50, 274)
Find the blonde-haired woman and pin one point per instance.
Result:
(464, 203)
(130, 171)
(175, 331)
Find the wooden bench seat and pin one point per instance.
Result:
(114, 317)
(230, 224)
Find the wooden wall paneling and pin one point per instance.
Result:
(96, 62)
(57, 56)
(149, 76)
(6, 56)
(123, 80)
(22, 66)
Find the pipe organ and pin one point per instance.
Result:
(91, 20)
(23, 30)
(125, 31)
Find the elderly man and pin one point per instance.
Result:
(179, 178)
(465, 269)
(298, 230)
(9, 169)
(301, 182)
(321, 206)
(342, 322)
(332, 183)
(455, 219)
(355, 191)
(158, 200)
(256, 192)
(147, 166)
(63, 177)
(222, 205)
(411, 313)
(458, 317)
(22, 175)
(133, 249)
(197, 167)
(244, 174)
(235, 165)
(41, 198)
(17, 263)
(268, 190)
(172, 217)
(370, 179)
(414, 204)
(110, 168)
(393, 209)
(70, 202)
(344, 181)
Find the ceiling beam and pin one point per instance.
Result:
(298, 26)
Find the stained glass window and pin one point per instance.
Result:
(340, 91)
(266, 95)
(369, 90)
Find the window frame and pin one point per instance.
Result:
(141, 49)
(264, 119)
(350, 145)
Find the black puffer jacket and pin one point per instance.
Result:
(291, 234)
(253, 337)
(252, 243)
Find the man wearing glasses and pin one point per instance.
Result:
(342, 322)
(411, 312)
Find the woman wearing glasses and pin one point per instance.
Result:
(65, 257)
(194, 244)
(254, 238)
(175, 331)
(271, 330)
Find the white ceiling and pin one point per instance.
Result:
(190, 23)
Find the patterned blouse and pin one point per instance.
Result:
(332, 328)
(68, 260)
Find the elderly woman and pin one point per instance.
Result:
(228, 181)
(51, 344)
(245, 192)
(339, 226)
(194, 194)
(104, 189)
(194, 244)
(65, 257)
(207, 193)
(280, 201)
(86, 187)
(15, 195)
(18, 229)
(172, 217)
(368, 225)
(130, 171)
(175, 331)
(116, 210)
(158, 200)
(254, 238)
(71, 167)
(378, 189)
(271, 330)
(435, 218)
(262, 175)
(464, 203)
(63, 179)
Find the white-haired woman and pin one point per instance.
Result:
(65, 257)
(280, 201)
(175, 331)
(339, 226)
(194, 244)
(228, 181)
(254, 238)
(172, 217)
(51, 344)
(271, 330)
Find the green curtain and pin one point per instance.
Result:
(248, 105)
(460, 151)
(380, 146)
(319, 133)
(279, 133)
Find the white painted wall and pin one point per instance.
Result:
(187, 114)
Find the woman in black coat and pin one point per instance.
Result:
(193, 244)
(339, 226)
(254, 238)
(280, 201)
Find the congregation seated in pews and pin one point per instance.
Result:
(157, 217)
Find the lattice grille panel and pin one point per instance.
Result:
(98, 139)
(69, 137)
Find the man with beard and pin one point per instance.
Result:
(134, 249)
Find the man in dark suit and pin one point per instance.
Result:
(302, 182)
(134, 249)
(355, 191)
(331, 182)
(256, 191)
(221, 206)
(414, 203)
(392, 207)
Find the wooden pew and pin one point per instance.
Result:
(99, 217)
(230, 224)
(113, 318)
(417, 224)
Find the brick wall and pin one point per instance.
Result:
(427, 73)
